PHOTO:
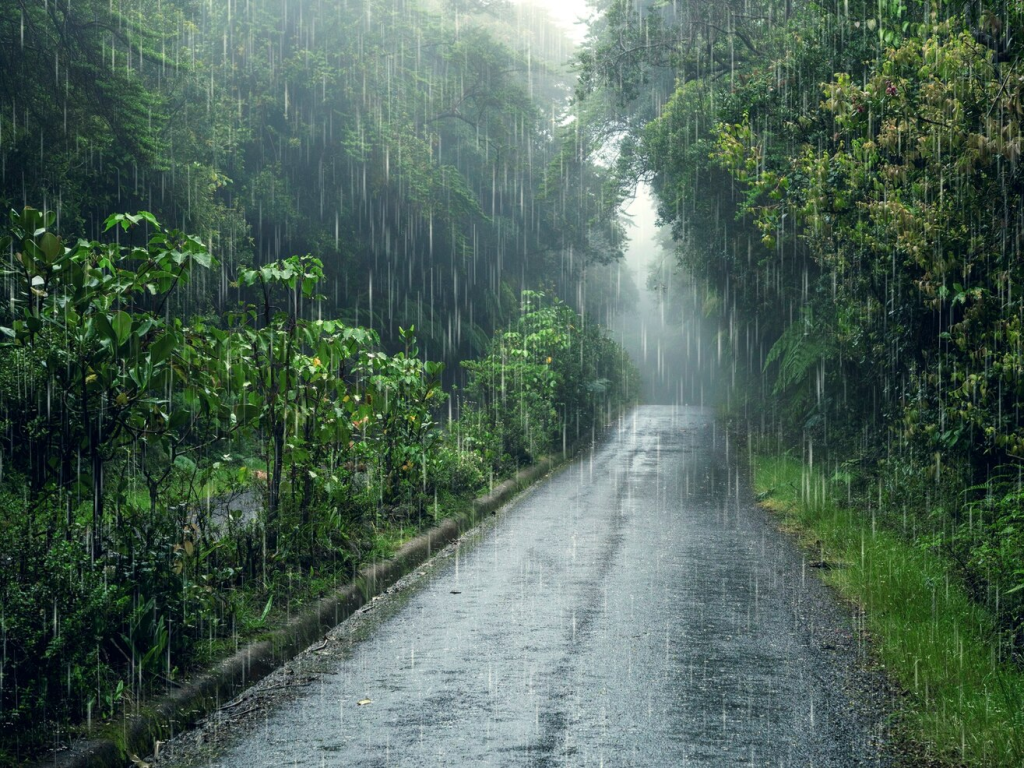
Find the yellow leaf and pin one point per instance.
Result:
(364, 702)
(122, 399)
(189, 547)
(548, 361)
(90, 378)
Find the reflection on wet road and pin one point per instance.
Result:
(634, 609)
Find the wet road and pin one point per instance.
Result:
(634, 609)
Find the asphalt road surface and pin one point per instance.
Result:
(634, 609)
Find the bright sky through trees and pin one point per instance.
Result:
(567, 13)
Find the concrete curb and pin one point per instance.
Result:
(174, 712)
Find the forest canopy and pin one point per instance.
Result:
(419, 154)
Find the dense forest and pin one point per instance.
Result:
(416, 150)
(844, 180)
(251, 246)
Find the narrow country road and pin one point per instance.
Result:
(634, 609)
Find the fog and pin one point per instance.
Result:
(666, 334)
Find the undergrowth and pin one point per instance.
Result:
(963, 703)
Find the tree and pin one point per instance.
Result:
(104, 357)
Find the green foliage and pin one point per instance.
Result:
(89, 67)
(987, 540)
(398, 170)
(847, 178)
(52, 625)
(546, 381)
(164, 480)
(938, 644)
(797, 351)
(456, 466)
(901, 215)
(104, 355)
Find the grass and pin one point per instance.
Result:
(963, 705)
(209, 483)
(389, 538)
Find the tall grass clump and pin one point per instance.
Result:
(964, 703)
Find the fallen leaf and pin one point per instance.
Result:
(456, 592)
(364, 702)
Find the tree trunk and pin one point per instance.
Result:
(97, 495)
(274, 481)
(93, 430)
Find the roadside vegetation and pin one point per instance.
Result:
(934, 640)
(220, 408)
(170, 486)
(844, 182)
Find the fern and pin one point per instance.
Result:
(797, 350)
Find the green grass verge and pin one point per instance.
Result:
(963, 705)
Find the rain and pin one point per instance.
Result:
(500, 382)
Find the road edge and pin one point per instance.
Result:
(161, 718)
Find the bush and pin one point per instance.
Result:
(59, 614)
(122, 561)
(454, 469)
(545, 382)
(988, 542)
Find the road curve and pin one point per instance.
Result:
(634, 609)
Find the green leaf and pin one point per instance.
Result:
(122, 326)
(139, 377)
(163, 347)
(31, 254)
(178, 419)
(32, 220)
(103, 327)
(247, 412)
(51, 247)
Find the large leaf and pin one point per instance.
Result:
(122, 326)
(105, 330)
(51, 247)
(178, 419)
(163, 347)
(245, 413)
